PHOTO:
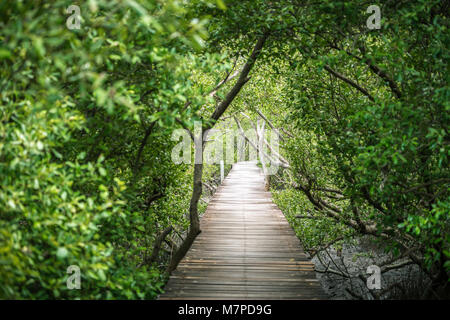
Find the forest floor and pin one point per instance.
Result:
(353, 261)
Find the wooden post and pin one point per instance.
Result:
(222, 171)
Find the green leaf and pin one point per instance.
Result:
(62, 252)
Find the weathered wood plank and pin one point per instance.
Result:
(246, 250)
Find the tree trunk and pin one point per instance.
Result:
(194, 227)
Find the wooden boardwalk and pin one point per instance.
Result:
(246, 249)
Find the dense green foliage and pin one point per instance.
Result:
(77, 185)
(387, 151)
(86, 119)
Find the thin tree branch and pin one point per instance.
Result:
(350, 82)
(242, 80)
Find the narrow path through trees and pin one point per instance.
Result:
(246, 249)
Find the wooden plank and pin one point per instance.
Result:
(246, 249)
